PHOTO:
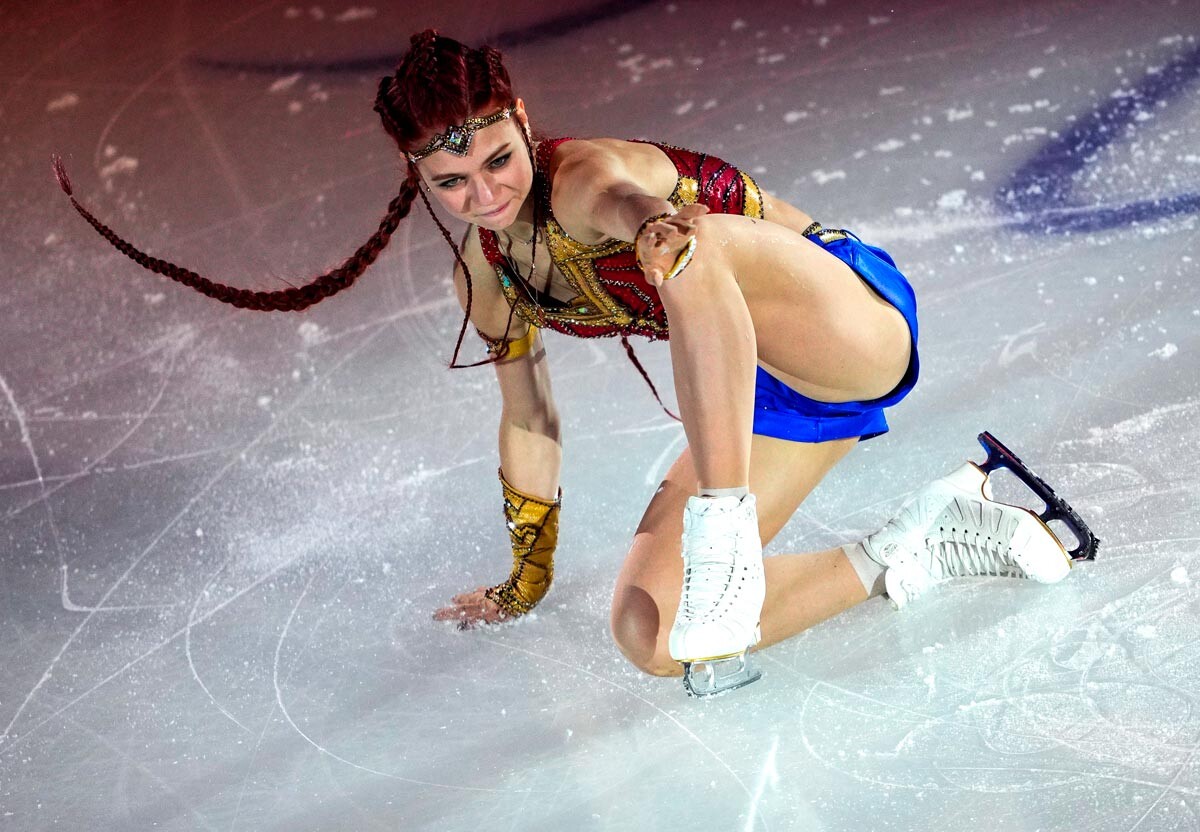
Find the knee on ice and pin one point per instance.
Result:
(636, 630)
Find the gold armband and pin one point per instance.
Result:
(533, 531)
(506, 349)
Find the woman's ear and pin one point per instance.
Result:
(522, 116)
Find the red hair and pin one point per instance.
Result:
(439, 82)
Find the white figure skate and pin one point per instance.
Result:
(952, 527)
(722, 598)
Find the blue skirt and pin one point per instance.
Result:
(781, 412)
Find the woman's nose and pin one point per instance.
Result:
(483, 192)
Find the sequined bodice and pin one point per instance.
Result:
(612, 296)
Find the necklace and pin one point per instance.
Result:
(514, 238)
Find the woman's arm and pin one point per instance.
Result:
(530, 453)
(530, 441)
(607, 189)
(530, 457)
(612, 190)
(783, 213)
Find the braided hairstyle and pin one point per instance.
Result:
(441, 82)
(437, 83)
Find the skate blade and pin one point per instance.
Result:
(1056, 507)
(712, 677)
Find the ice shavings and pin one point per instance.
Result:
(64, 102)
(1139, 425)
(792, 116)
(285, 83)
(952, 200)
(824, 177)
(1180, 575)
(122, 164)
(956, 114)
(311, 334)
(1165, 351)
(355, 13)
(638, 65)
(889, 145)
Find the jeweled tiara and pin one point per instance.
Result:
(457, 137)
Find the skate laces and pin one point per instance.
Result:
(709, 560)
(705, 580)
(963, 553)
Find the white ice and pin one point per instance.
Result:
(222, 533)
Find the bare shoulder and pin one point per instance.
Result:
(489, 307)
(581, 169)
(584, 162)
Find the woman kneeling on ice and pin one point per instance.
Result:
(788, 340)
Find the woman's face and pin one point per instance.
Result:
(488, 186)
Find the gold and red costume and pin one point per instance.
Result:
(612, 295)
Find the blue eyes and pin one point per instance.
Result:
(495, 164)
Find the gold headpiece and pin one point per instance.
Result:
(457, 138)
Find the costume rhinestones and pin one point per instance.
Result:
(458, 137)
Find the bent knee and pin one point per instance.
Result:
(640, 633)
(647, 658)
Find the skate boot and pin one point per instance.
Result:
(952, 527)
(723, 591)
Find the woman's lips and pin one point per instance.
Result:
(496, 212)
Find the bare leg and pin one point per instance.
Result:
(759, 291)
(713, 358)
(802, 590)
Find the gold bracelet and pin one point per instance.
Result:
(638, 236)
(681, 262)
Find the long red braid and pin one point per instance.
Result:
(437, 83)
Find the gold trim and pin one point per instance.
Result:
(753, 200)
(593, 305)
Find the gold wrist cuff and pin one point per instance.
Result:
(638, 236)
(681, 262)
(533, 531)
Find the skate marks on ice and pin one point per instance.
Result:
(629, 692)
(1099, 714)
(1075, 700)
(282, 705)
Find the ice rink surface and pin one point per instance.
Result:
(223, 532)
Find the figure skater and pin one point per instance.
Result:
(788, 341)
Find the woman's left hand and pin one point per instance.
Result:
(662, 240)
(470, 609)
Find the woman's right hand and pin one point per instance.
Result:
(661, 241)
(470, 609)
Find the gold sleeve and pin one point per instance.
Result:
(533, 531)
